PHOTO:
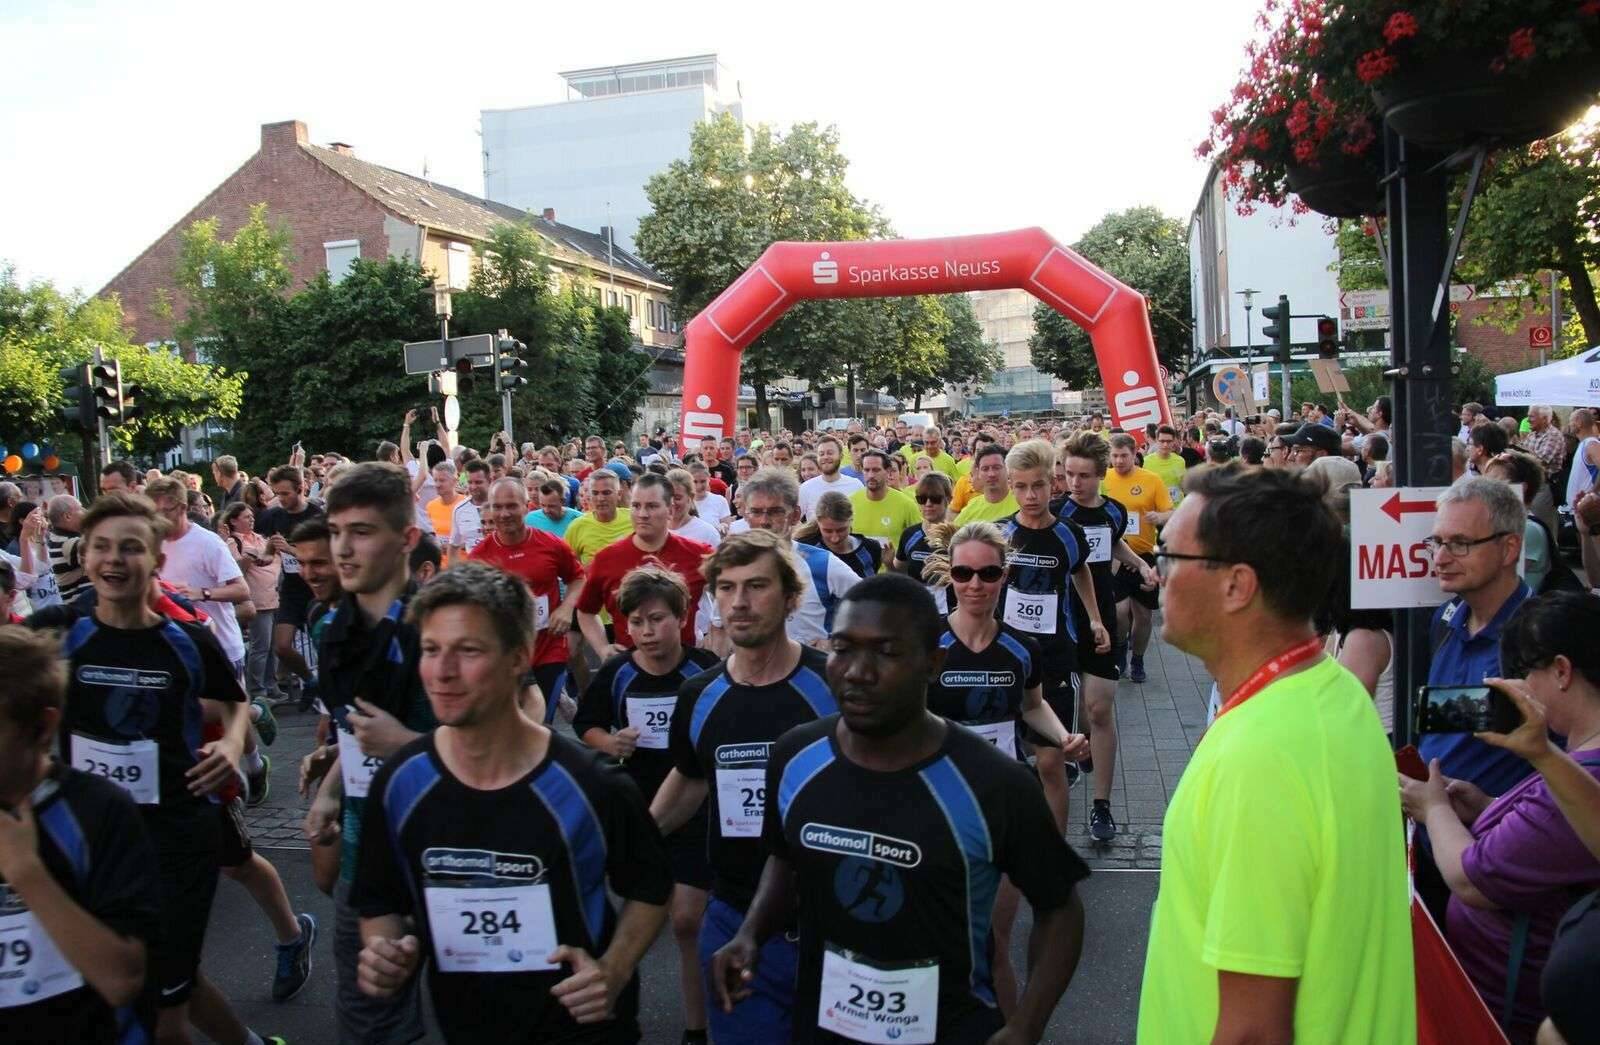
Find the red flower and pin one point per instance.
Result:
(1305, 150)
(1299, 206)
(1276, 102)
(1400, 26)
(1358, 138)
(1204, 148)
(1590, 8)
(1520, 45)
(1299, 119)
(1375, 65)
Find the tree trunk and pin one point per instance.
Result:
(850, 389)
(762, 420)
(1581, 291)
(916, 403)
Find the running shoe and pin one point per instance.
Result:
(294, 961)
(258, 784)
(1137, 673)
(1102, 828)
(267, 724)
(1122, 662)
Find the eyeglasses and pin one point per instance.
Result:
(986, 574)
(1459, 546)
(1164, 560)
(766, 513)
(926, 499)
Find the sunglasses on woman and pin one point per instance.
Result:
(925, 499)
(986, 574)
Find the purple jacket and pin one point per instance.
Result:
(1525, 859)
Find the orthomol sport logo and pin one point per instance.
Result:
(481, 863)
(103, 675)
(742, 754)
(1043, 562)
(967, 679)
(850, 842)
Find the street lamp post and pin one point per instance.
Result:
(1249, 294)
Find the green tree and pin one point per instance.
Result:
(714, 213)
(970, 361)
(43, 330)
(1150, 253)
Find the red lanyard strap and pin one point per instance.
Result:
(1267, 673)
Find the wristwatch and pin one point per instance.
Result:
(205, 594)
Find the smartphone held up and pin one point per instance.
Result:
(1465, 709)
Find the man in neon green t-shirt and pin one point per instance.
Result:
(1167, 463)
(880, 510)
(933, 446)
(604, 523)
(1284, 909)
(994, 500)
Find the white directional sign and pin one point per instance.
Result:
(1369, 309)
(1390, 567)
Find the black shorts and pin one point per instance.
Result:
(294, 599)
(686, 852)
(1062, 696)
(1101, 665)
(1129, 586)
(188, 880)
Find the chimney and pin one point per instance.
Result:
(549, 214)
(342, 148)
(285, 135)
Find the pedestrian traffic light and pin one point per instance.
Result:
(508, 360)
(1327, 337)
(107, 377)
(1277, 331)
(132, 402)
(79, 393)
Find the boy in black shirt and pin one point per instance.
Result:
(890, 830)
(492, 842)
(79, 893)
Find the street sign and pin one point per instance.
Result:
(1369, 309)
(1223, 382)
(1262, 374)
(1540, 337)
(1390, 567)
(424, 357)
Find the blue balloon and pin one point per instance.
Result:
(30, 451)
(5, 451)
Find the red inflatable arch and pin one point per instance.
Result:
(1112, 313)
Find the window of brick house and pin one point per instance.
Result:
(340, 255)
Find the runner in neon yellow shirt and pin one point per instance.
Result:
(1167, 463)
(994, 500)
(880, 510)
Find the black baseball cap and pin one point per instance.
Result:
(1318, 435)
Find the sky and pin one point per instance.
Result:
(957, 118)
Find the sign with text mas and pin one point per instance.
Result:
(1390, 567)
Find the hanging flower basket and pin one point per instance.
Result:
(1452, 100)
(1338, 184)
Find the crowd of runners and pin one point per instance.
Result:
(816, 700)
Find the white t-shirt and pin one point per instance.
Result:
(713, 507)
(466, 524)
(738, 526)
(812, 489)
(200, 560)
(697, 529)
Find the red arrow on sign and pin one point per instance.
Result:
(1394, 507)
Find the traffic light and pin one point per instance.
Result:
(1327, 337)
(107, 377)
(1277, 330)
(79, 411)
(508, 360)
(132, 405)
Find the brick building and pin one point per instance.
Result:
(338, 208)
(1479, 331)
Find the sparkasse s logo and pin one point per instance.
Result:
(824, 270)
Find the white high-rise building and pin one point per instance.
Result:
(589, 157)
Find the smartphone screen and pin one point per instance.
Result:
(1465, 709)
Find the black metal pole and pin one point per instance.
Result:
(1421, 382)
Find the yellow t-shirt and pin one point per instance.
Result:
(1140, 491)
(887, 518)
(964, 466)
(587, 535)
(980, 510)
(943, 463)
(441, 515)
(963, 492)
(1170, 470)
(1282, 855)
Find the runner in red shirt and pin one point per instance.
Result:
(650, 543)
(542, 561)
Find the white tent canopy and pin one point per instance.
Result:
(1574, 381)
